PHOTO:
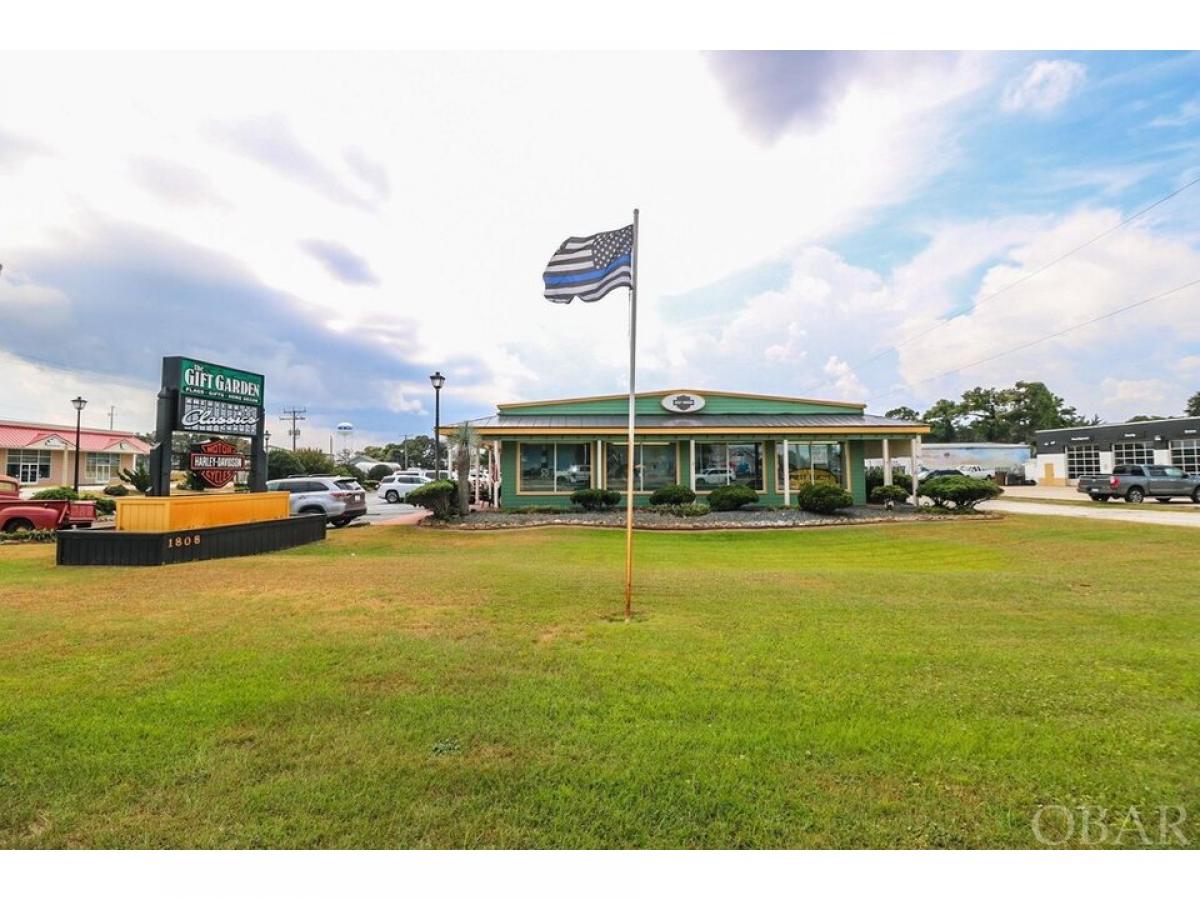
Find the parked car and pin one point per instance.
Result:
(973, 471)
(30, 515)
(395, 488)
(926, 474)
(714, 477)
(340, 500)
(1134, 483)
(576, 475)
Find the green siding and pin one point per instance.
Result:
(652, 405)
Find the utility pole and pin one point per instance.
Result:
(112, 417)
(294, 415)
(404, 450)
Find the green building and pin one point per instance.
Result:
(701, 439)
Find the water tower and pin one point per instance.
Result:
(346, 431)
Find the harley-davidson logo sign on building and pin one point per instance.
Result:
(216, 462)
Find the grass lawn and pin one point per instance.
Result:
(918, 685)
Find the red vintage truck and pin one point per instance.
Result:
(26, 515)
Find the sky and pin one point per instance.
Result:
(838, 225)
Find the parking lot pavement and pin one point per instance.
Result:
(1109, 512)
(380, 512)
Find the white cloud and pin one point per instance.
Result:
(476, 166)
(1044, 86)
(1128, 397)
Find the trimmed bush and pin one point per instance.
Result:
(874, 478)
(593, 498)
(117, 490)
(438, 497)
(885, 492)
(959, 491)
(379, 472)
(823, 498)
(56, 493)
(729, 497)
(672, 495)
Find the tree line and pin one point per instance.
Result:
(1006, 415)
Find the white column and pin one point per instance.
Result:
(496, 476)
(887, 462)
(692, 463)
(787, 475)
(916, 465)
(597, 463)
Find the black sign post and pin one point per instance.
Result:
(207, 398)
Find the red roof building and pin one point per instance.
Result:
(40, 455)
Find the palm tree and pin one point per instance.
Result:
(464, 441)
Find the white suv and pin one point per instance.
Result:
(394, 488)
(339, 500)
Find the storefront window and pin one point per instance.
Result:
(28, 466)
(1186, 455)
(655, 467)
(810, 463)
(720, 464)
(555, 468)
(1132, 455)
(1083, 460)
(101, 467)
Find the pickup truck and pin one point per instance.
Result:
(1134, 483)
(27, 515)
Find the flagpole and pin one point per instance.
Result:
(630, 456)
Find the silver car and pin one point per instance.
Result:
(394, 488)
(340, 500)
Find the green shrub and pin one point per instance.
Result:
(117, 490)
(439, 497)
(823, 498)
(139, 478)
(672, 495)
(532, 510)
(104, 505)
(729, 497)
(37, 536)
(379, 472)
(283, 464)
(885, 492)
(874, 478)
(959, 491)
(56, 493)
(679, 510)
(594, 498)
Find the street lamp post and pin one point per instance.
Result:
(79, 403)
(437, 379)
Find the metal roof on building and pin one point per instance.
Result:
(730, 422)
(19, 435)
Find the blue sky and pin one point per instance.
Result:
(346, 224)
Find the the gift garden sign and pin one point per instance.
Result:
(217, 399)
(211, 399)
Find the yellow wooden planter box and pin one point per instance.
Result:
(181, 513)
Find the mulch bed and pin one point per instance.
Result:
(741, 519)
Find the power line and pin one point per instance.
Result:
(1048, 337)
(295, 414)
(1029, 275)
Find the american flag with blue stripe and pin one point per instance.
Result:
(590, 267)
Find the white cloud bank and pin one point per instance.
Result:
(1044, 86)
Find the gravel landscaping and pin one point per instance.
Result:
(643, 519)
